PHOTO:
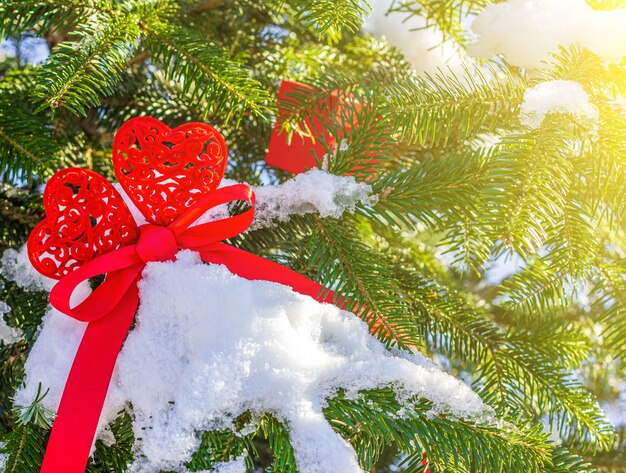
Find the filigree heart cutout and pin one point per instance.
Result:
(85, 217)
(166, 170)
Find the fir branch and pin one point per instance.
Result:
(80, 72)
(12, 358)
(315, 100)
(18, 16)
(577, 64)
(221, 446)
(609, 296)
(603, 168)
(359, 278)
(278, 437)
(25, 446)
(564, 461)
(377, 415)
(537, 286)
(27, 144)
(35, 413)
(613, 461)
(205, 70)
(330, 17)
(115, 457)
(531, 178)
(430, 192)
(468, 242)
(27, 307)
(575, 242)
(433, 110)
(454, 328)
(445, 15)
(357, 150)
(27, 310)
(528, 367)
(18, 148)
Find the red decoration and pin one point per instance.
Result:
(166, 171)
(86, 218)
(89, 232)
(425, 463)
(295, 155)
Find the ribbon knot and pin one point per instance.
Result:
(156, 243)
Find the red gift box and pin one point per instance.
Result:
(297, 153)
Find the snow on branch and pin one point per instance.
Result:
(423, 45)
(314, 191)
(527, 32)
(7, 334)
(558, 96)
(15, 266)
(235, 466)
(4, 457)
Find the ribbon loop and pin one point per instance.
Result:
(121, 268)
(223, 195)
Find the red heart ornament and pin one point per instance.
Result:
(85, 217)
(165, 171)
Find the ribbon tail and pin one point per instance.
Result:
(86, 388)
(254, 267)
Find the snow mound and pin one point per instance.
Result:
(210, 345)
(528, 31)
(558, 96)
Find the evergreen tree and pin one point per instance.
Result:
(543, 348)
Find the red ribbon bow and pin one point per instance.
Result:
(172, 176)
